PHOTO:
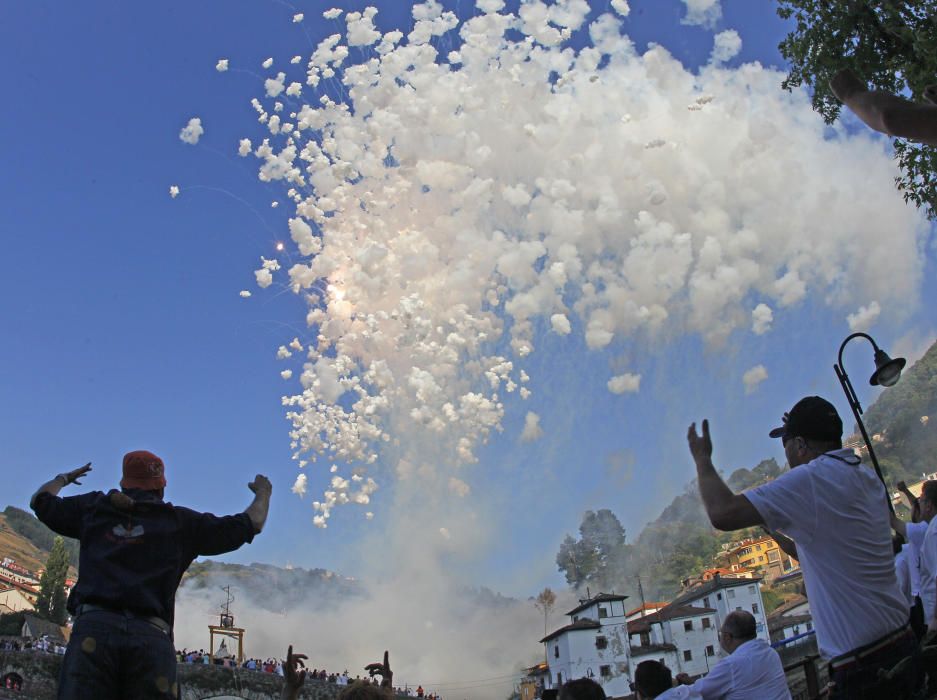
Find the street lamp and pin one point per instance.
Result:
(887, 372)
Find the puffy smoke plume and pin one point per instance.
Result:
(625, 383)
(863, 319)
(726, 45)
(703, 12)
(450, 202)
(222, 65)
(173, 191)
(192, 131)
(753, 377)
(532, 430)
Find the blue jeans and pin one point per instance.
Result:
(112, 656)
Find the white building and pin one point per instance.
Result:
(725, 595)
(683, 637)
(14, 599)
(594, 645)
(790, 620)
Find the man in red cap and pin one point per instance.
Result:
(135, 547)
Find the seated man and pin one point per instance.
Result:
(581, 689)
(752, 668)
(651, 680)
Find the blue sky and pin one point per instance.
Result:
(124, 328)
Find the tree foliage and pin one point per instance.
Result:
(545, 602)
(11, 624)
(892, 44)
(905, 416)
(51, 602)
(600, 556)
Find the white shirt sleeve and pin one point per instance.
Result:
(717, 683)
(928, 572)
(788, 504)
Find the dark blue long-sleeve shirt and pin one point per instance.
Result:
(134, 560)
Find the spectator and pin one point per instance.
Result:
(134, 549)
(651, 679)
(923, 569)
(835, 510)
(751, 669)
(581, 689)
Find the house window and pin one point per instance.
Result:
(705, 602)
(710, 651)
(605, 671)
(707, 623)
(730, 593)
(687, 655)
(755, 608)
(645, 639)
(751, 589)
(688, 625)
(601, 643)
(719, 596)
(603, 612)
(773, 555)
(809, 626)
(556, 651)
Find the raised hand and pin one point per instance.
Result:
(291, 670)
(74, 475)
(701, 447)
(261, 485)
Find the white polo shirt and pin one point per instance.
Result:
(753, 670)
(929, 572)
(903, 572)
(915, 533)
(834, 509)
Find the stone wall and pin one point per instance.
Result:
(197, 682)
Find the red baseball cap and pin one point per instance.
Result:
(143, 470)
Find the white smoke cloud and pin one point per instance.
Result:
(244, 147)
(560, 324)
(298, 17)
(753, 377)
(762, 318)
(532, 430)
(299, 486)
(625, 384)
(864, 318)
(705, 13)
(573, 216)
(286, 374)
(222, 65)
(173, 191)
(621, 7)
(192, 131)
(726, 45)
(245, 294)
(267, 62)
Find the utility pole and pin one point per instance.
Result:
(641, 593)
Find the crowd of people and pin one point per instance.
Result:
(44, 644)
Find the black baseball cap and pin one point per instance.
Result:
(813, 418)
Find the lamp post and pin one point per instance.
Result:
(887, 372)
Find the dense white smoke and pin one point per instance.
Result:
(446, 207)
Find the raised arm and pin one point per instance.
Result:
(885, 112)
(726, 510)
(257, 510)
(913, 502)
(56, 484)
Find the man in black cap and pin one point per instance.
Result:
(135, 547)
(835, 516)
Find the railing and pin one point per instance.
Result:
(804, 678)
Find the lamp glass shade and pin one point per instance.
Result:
(887, 370)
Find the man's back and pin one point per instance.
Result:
(133, 559)
(834, 509)
(752, 671)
